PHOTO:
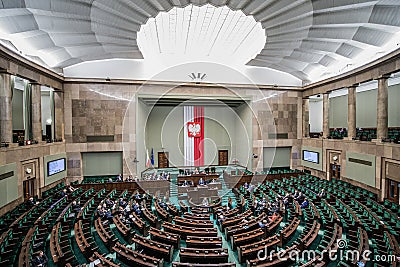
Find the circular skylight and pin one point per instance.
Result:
(203, 33)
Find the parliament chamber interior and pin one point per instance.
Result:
(209, 133)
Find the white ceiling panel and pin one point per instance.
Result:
(301, 35)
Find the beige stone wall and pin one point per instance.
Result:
(32, 157)
(382, 151)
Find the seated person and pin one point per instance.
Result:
(108, 215)
(186, 183)
(304, 204)
(230, 203)
(221, 219)
(286, 203)
(301, 198)
(263, 224)
(298, 197)
(322, 194)
(213, 181)
(100, 211)
(40, 260)
(131, 220)
(162, 205)
(127, 209)
(31, 202)
(122, 203)
(205, 202)
(70, 188)
(196, 171)
(121, 210)
(64, 193)
(109, 202)
(119, 178)
(136, 208)
(165, 198)
(251, 188)
(201, 181)
(246, 185)
(76, 207)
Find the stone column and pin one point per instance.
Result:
(325, 117)
(5, 108)
(351, 112)
(59, 115)
(306, 117)
(36, 112)
(382, 108)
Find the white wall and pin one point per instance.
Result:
(162, 71)
(164, 130)
(224, 129)
(366, 109)
(142, 113)
(46, 109)
(244, 136)
(316, 115)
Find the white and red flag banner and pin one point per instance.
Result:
(194, 135)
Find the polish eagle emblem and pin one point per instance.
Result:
(194, 129)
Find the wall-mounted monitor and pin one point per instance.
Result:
(311, 156)
(55, 166)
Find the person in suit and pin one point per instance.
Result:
(221, 219)
(40, 260)
(201, 181)
(76, 207)
(100, 212)
(304, 204)
(263, 224)
(230, 204)
(246, 185)
(122, 203)
(31, 202)
(322, 194)
(70, 188)
(109, 202)
(64, 193)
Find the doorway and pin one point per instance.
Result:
(392, 191)
(29, 188)
(163, 161)
(334, 171)
(222, 157)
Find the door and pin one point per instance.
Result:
(29, 188)
(163, 160)
(392, 190)
(222, 157)
(335, 171)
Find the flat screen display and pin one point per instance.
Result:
(311, 156)
(55, 166)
